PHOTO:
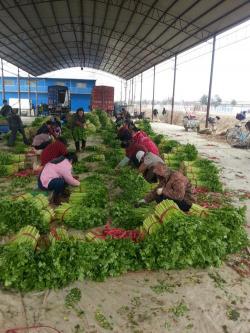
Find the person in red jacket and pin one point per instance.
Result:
(54, 150)
(133, 146)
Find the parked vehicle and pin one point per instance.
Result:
(103, 98)
(239, 136)
(58, 100)
(191, 122)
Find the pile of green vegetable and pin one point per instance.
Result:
(203, 173)
(24, 210)
(170, 239)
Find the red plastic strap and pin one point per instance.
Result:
(54, 233)
(165, 212)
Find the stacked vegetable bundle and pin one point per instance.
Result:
(179, 154)
(11, 163)
(172, 240)
(203, 173)
(25, 210)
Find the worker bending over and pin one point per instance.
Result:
(172, 185)
(54, 150)
(56, 175)
(132, 141)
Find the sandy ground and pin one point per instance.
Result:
(196, 301)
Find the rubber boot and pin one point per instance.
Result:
(77, 144)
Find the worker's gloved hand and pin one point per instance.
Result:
(140, 203)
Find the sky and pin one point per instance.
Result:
(230, 80)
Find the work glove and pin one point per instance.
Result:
(140, 203)
(159, 191)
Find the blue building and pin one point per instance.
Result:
(36, 90)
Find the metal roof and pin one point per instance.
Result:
(122, 37)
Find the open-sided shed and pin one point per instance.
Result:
(122, 37)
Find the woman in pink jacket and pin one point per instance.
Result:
(56, 175)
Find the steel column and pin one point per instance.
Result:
(210, 81)
(141, 93)
(36, 100)
(29, 93)
(173, 94)
(126, 88)
(132, 94)
(153, 98)
(121, 93)
(129, 90)
(3, 84)
(18, 91)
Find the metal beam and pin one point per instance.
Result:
(173, 94)
(3, 83)
(153, 98)
(210, 81)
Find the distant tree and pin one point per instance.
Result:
(204, 99)
(216, 101)
(233, 102)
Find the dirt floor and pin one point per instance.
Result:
(195, 301)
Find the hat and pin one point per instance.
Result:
(139, 155)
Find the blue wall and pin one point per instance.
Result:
(80, 90)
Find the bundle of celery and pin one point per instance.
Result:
(100, 149)
(8, 170)
(28, 235)
(40, 201)
(198, 210)
(150, 224)
(133, 186)
(203, 173)
(90, 128)
(81, 217)
(114, 156)
(15, 214)
(17, 260)
(95, 158)
(92, 197)
(166, 210)
(166, 146)
(94, 119)
(58, 234)
(171, 161)
(7, 158)
(80, 167)
(124, 215)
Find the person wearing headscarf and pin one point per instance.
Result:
(78, 129)
(133, 144)
(172, 185)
